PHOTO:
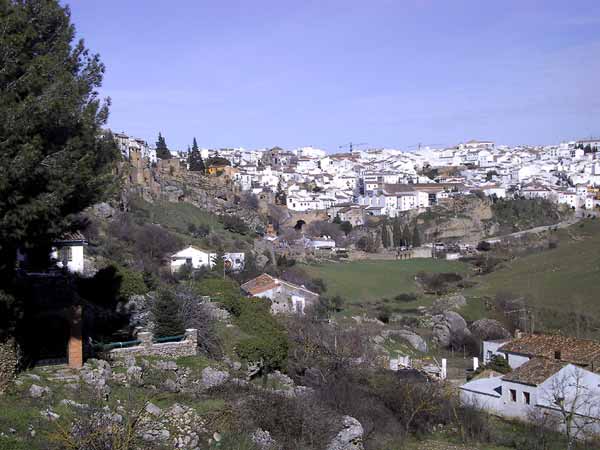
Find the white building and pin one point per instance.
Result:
(197, 258)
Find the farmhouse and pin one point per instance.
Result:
(285, 297)
(545, 368)
(197, 258)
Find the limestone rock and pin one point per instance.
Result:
(263, 440)
(36, 391)
(213, 377)
(449, 326)
(135, 375)
(489, 329)
(450, 302)
(415, 341)
(349, 437)
(153, 410)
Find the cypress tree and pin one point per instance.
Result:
(406, 238)
(166, 315)
(195, 159)
(416, 238)
(397, 231)
(162, 151)
(385, 236)
(55, 158)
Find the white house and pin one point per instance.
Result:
(285, 297)
(197, 258)
(68, 252)
(539, 363)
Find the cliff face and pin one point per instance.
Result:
(169, 181)
(462, 219)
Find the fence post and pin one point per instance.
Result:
(191, 335)
(146, 339)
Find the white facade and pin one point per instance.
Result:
(70, 257)
(197, 258)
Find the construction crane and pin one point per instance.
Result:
(351, 146)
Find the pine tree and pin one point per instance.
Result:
(416, 238)
(162, 151)
(55, 158)
(195, 159)
(166, 315)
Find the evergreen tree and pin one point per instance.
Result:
(166, 315)
(397, 232)
(195, 159)
(162, 151)
(385, 236)
(416, 238)
(55, 158)
(406, 238)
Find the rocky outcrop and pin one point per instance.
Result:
(9, 361)
(350, 437)
(449, 302)
(448, 328)
(415, 341)
(489, 329)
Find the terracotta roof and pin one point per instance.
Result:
(260, 284)
(73, 236)
(573, 350)
(535, 371)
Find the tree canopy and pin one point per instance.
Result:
(55, 158)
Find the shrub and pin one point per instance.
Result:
(406, 297)
(234, 224)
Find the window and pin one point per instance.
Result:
(526, 398)
(65, 254)
(513, 395)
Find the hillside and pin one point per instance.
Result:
(557, 282)
(474, 218)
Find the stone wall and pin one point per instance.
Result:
(9, 361)
(186, 347)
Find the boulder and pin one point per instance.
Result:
(350, 437)
(449, 326)
(489, 329)
(153, 410)
(134, 375)
(415, 341)
(213, 377)
(36, 391)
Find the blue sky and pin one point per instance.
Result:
(389, 73)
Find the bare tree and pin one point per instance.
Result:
(572, 397)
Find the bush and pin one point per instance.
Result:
(234, 224)
(406, 297)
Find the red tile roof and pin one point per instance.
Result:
(573, 350)
(535, 371)
(262, 283)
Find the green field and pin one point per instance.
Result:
(565, 279)
(367, 281)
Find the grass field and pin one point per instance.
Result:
(361, 282)
(565, 279)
